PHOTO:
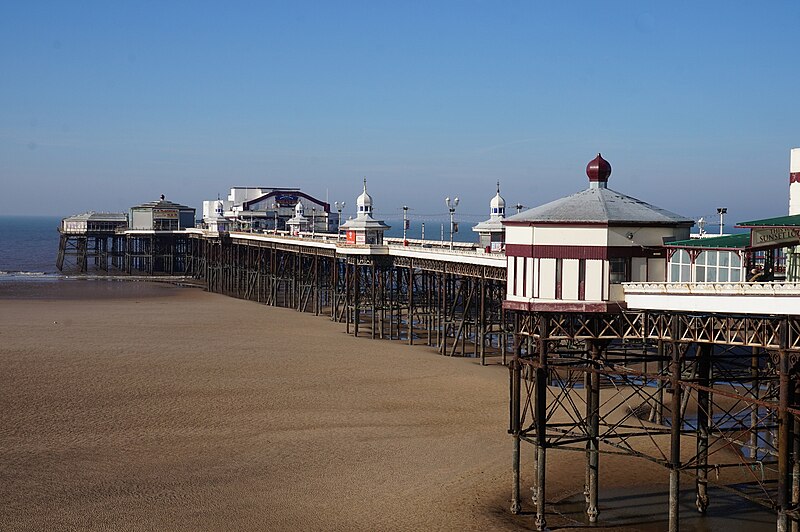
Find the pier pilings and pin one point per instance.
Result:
(644, 385)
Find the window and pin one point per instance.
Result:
(718, 266)
(619, 270)
(559, 277)
(680, 267)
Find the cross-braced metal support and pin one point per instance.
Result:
(693, 393)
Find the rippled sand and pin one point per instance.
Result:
(198, 411)
(141, 406)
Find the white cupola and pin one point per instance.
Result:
(497, 207)
(364, 230)
(364, 202)
(298, 223)
(491, 232)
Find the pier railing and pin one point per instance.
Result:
(715, 288)
(737, 297)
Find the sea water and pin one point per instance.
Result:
(28, 247)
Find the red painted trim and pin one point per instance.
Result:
(579, 252)
(604, 286)
(794, 177)
(563, 306)
(516, 276)
(524, 275)
(530, 223)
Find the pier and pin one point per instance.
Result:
(621, 334)
(448, 299)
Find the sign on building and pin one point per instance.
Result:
(770, 236)
(165, 214)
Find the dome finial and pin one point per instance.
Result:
(364, 201)
(498, 186)
(598, 171)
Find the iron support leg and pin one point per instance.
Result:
(660, 390)
(703, 414)
(784, 438)
(516, 505)
(675, 440)
(587, 386)
(594, 433)
(795, 460)
(540, 407)
(754, 422)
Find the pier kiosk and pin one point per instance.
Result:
(298, 223)
(364, 230)
(567, 262)
(491, 232)
(216, 221)
(574, 253)
(696, 367)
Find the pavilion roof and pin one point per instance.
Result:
(779, 221)
(737, 241)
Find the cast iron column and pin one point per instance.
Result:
(703, 415)
(540, 406)
(675, 435)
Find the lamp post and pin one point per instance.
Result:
(339, 207)
(519, 207)
(275, 213)
(722, 211)
(451, 206)
(405, 224)
(313, 221)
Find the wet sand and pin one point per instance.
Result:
(139, 406)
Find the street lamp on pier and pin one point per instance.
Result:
(339, 208)
(275, 214)
(405, 224)
(722, 211)
(313, 221)
(451, 206)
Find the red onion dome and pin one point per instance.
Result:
(598, 170)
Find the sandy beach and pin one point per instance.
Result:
(142, 406)
(169, 408)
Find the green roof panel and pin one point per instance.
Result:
(738, 241)
(780, 221)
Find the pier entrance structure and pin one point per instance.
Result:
(622, 365)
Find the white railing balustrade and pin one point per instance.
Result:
(715, 289)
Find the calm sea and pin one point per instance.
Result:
(28, 247)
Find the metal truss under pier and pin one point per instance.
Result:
(131, 251)
(452, 306)
(98, 250)
(714, 397)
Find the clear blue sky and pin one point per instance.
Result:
(109, 104)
